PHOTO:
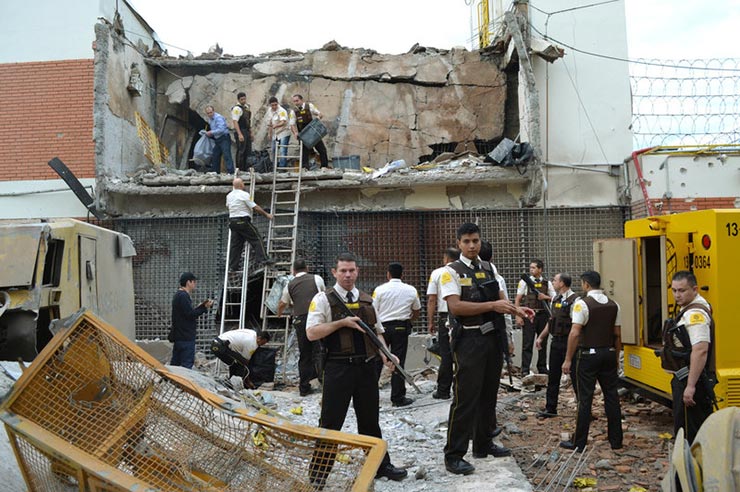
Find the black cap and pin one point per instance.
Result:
(185, 277)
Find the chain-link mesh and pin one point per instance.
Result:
(109, 403)
(562, 238)
(694, 105)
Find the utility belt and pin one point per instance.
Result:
(483, 329)
(351, 359)
(240, 220)
(397, 324)
(595, 350)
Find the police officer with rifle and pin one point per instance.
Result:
(476, 309)
(688, 352)
(534, 291)
(340, 318)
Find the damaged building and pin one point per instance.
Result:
(441, 111)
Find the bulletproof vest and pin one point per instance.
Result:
(348, 341)
(561, 322)
(599, 330)
(530, 300)
(676, 353)
(303, 116)
(246, 117)
(301, 290)
(473, 293)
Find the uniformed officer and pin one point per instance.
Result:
(467, 286)
(525, 296)
(349, 372)
(397, 304)
(595, 342)
(298, 293)
(689, 339)
(241, 117)
(558, 327)
(435, 303)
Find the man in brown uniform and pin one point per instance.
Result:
(533, 299)
(302, 115)
(299, 293)
(595, 342)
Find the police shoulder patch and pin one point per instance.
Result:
(312, 307)
(697, 318)
(445, 278)
(577, 308)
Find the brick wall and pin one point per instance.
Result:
(47, 111)
(665, 207)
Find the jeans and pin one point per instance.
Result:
(283, 150)
(223, 147)
(183, 354)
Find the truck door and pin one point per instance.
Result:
(88, 274)
(615, 260)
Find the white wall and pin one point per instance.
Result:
(585, 101)
(688, 176)
(48, 30)
(41, 199)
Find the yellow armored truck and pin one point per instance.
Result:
(637, 270)
(50, 269)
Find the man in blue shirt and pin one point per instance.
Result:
(220, 133)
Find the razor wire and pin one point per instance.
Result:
(685, 102)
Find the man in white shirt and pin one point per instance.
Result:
(298, 293)
(240, 206)
(397, 305)
(235, 348)
(277, 122)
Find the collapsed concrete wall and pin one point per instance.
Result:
(380, 107)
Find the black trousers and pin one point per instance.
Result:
(238, 364)
(243, 149)
(344, 381)
(558, 348)
(600, 366)
(323, 155)
(530, 331)
(242, 231)
(397, 337)
(444, 376)
(690, 418)
(478, 361)
(306, 354)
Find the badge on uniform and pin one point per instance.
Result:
(558, 305)
(697, 318)
(538, 284)
(577, 308)
(480, 274)
(466, 282)
(445, 278)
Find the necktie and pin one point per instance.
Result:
(474, 264)
(350, 297)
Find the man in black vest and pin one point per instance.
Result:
(241, 117)
(526, 296)
(559, 328)
(595, 342)
(689, 338)
(298, 293)
(302, 115)
(349, 372)
(476, 306)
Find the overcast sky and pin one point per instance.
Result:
(669, 29)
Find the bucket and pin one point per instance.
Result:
(312, 133)
(346, 162)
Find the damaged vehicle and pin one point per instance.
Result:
(50, 269)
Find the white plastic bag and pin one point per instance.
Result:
(273, 298)
(203, 150)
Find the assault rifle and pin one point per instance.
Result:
(374, 338)
(528, 280)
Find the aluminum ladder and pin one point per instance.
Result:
(281, 240)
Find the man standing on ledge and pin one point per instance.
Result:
(219, 132)
(476, 306)
(240, 206)
(302, 115)
(397, 305)
(349, 373)
(595, 342)
(241, 116)
(184, 317)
